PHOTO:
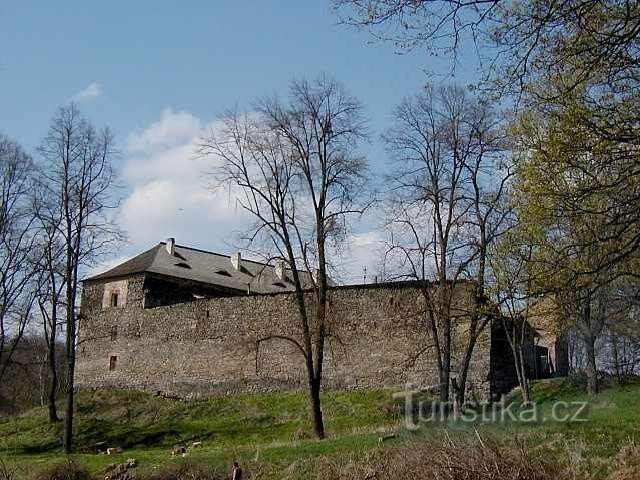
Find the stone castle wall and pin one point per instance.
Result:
(208, 346)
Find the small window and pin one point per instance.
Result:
(224, 273)
(114, 333)
(114, 299)
(113, 360)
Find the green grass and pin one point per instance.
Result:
(272, 427)
(269, 432)
(609, 418)
(612, 420)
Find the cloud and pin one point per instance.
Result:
(173, 129)
(170, 194)
(93, 90)
(361, 257)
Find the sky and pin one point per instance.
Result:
(158, 72)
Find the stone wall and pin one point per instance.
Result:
(208, 346)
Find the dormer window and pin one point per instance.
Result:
(114, 299)
(224, 273)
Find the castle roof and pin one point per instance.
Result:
(186, 263)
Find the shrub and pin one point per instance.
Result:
(68, 470)
(187, 471)
(626, 464)
(481, 460)
(7, 473)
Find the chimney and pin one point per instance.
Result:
(280, 270)
(171, 246)
(235, 260)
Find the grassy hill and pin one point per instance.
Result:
(270, 426)
(270, 433)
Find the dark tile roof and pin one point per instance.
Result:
(205, 267)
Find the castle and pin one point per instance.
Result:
(182, 321)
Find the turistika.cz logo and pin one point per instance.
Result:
(423, 412)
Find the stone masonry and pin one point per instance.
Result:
(208, 346)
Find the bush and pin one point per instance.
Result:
(626, 464)
(187, 471)
(7, 473)
(481, 460)
(68, 470)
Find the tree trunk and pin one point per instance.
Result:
(516, 339)
(314, 373)
(71, 363)
(51, 357)
(461, 385)
(53, 386)
(477, 323)
(67, 440)
(316, 409)
(445, 322)
(522, 374)
(616, 357)
(321, 318)
(591, 368)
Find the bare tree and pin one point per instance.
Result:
(299, 177)
(512, 292)
(444, 198)
(438, 26)
(51, 291)
(622, 352)
(571, 58)
(517, 41)
(26, 378)
(587, 306)
(489, 172)
(79, 181)
(16, 239)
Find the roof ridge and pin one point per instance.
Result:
(218, 254)
(131, 261)
(203, 268)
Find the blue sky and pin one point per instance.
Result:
(158, 72)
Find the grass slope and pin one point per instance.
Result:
(271, 432)
(271, 426)
(592, 447)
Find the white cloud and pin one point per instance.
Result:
(93, 90)
(172, 130)
(169, 194)
(361, 256)
(169, 197)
